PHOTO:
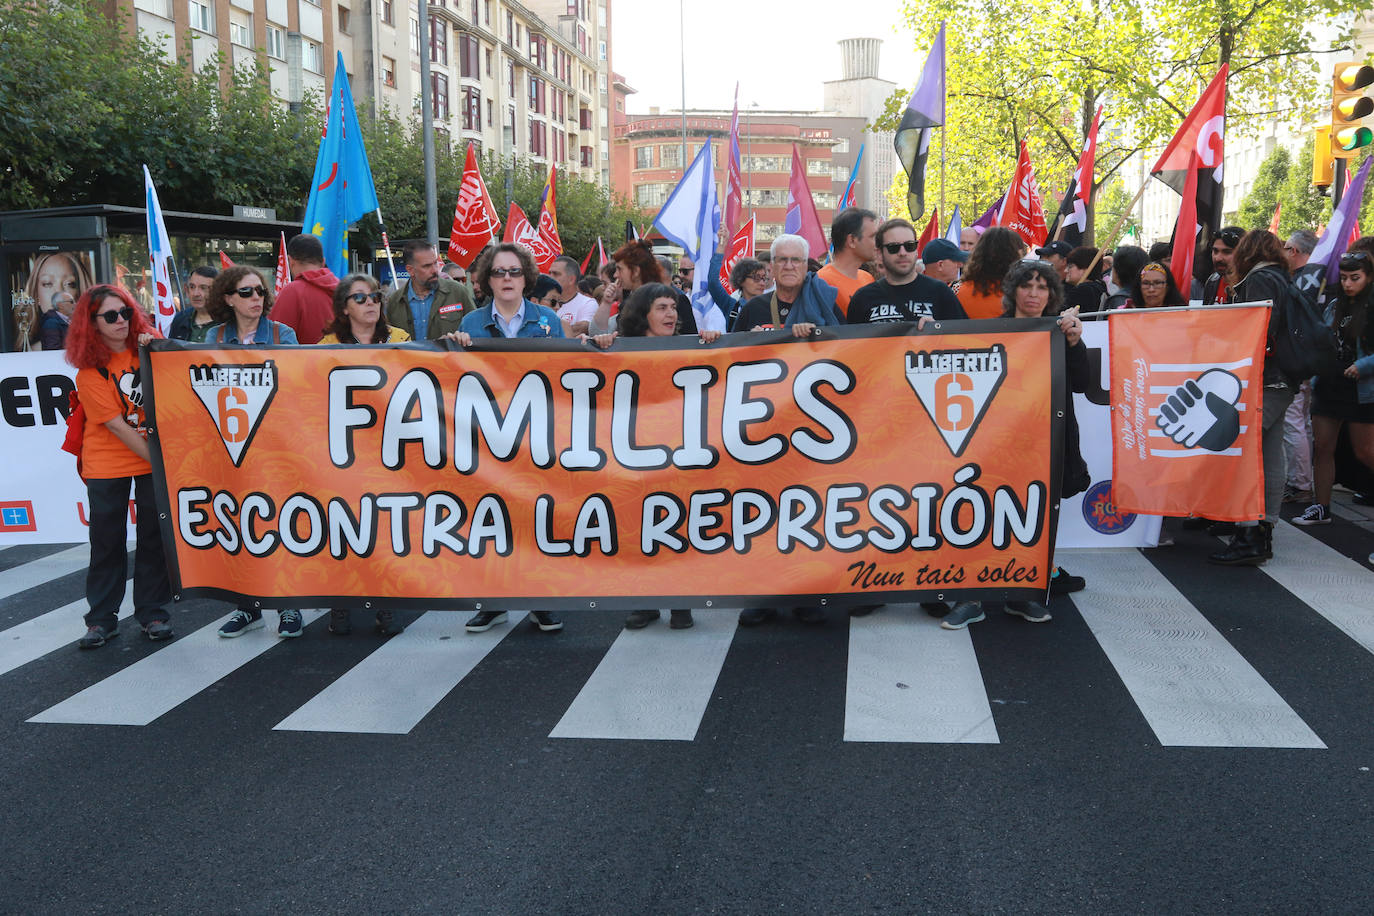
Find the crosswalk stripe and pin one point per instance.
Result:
(653, 684)
(391, 690)
(37, 572)
(164, 680)
(36, 637)
(911, 681)
(1330, 583)
(1192, 686)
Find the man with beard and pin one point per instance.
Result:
(430, 305)
(906, 295)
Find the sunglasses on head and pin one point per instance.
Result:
(360, 298)
(1229, 238)
(507, 271)
(248, 292)
(114, 317)
(1355, 260)
(894, 247)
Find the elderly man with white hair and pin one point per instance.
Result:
(798, 297)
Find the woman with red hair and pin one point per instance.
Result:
(107, 329)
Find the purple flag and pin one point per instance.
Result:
(1336, 239)
(925, 111)
(990, 216)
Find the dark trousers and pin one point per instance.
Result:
(109, 500)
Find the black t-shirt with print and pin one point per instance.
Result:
(881, 301)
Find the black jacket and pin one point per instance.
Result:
(1266, 280)
(1079, 374)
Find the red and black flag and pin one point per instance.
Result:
(1198, 146)
(1071, 222)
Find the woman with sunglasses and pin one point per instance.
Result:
(1348, 400)
(358, 314)
(359, 319)
(240, 301)
(107, 329)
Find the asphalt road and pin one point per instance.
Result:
(1073, 789)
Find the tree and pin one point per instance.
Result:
(1257, 209)
(1039, 72)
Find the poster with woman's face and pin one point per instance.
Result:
(49, 279)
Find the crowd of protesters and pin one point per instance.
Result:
(876, 272)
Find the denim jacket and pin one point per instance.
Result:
(229, 333)
(539, 322)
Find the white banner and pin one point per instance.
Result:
(42, 500)
(1091, 519)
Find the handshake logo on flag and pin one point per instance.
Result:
(1202, 413)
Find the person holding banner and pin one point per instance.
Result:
(635, 265)
(107, 329)
(1349, 400)
(799, 297)
(1033, 290)
(240, 301)
(358, 317)
(1257, 272)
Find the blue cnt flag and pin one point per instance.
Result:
(690, 219)
(342, 190)
(849, 198)
(926, 110)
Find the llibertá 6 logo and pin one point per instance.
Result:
(956, 387)
(236, 397)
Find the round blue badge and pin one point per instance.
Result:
(1101, 513)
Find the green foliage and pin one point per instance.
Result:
(1257, 209)
(1304, 207)
(1017, 71)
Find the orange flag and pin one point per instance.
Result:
(1187, 401)
(1274, 223)
(1023, 212)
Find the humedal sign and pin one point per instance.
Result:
(866, 462)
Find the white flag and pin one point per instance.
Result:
(159, 252)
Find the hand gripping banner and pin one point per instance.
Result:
(866, 463)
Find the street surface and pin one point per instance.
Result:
(1180, 738)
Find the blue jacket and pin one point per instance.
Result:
(728, 304)
(539, 322)
(815, 304)
(229, 333)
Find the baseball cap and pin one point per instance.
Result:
(942, 250)
(1060, 248)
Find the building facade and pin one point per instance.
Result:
(531, 80)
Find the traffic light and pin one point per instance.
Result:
(1352, 128)
(1323, 165)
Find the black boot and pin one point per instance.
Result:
(1266, 530)
(1247, 548)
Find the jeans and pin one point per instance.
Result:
(109, 567)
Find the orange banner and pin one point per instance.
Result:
(1187, 403)
(865, 463)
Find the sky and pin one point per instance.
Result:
(780, 54)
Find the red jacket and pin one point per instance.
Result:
(306, 305)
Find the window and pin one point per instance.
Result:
(510, 78)
(344, 18)
(161, 8)
(825, 200)
(538, 138)
(586, 157)
(652, 194)
(486, 13)
(536, 94)
(438, 41)
(766, 163)
(670, 157)
(472, 108)
(765, 197)
(491, 63)
(415, 36)
(601, 50)
(203, 15)
(817, 167)
(276, 43)
(473, 18)
(389, 72)
(241, 28)
(311, 57)
(470, 57)
(619, 104)
(388, 12)
(438, 87)
(605, 151)
(644, 157)
(510, 26)
(584, 119)
(491, 113)
(842, 145)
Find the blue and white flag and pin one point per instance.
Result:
(342, 190)
(159, 253)
(690, 219)
(956, 226)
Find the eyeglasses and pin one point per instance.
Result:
(248, 292)
(758, 277)
(1145, 283)
(360, 298)
(507, 271)
(1355, 260)
(894, 247)
(1289, 249)
(114, 317)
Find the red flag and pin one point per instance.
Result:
(1274, 223)
(224, 262)
(519, 231)
(801, 218)
(741, 246)
(548, 218)
(1185, 237)
(931, 231)
(1023, 212)
(475, 219)
(283, 268)
(588, 259)
(733, 193)
(1199, 144)
(1186, 404)
(1354, 234)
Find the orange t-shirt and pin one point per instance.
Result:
(847, 287)
(979, 305)
(103, 455)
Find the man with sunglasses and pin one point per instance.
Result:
(306, 304)
(1216, 289)
(906, 294)
(430, 304)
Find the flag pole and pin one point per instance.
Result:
(386, 243)
(1125, 214)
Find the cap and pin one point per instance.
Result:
(942, 250)
(1060, 248)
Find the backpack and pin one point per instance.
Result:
(1304, 344)
(76, 426)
